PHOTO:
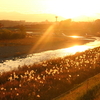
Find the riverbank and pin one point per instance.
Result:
(87, 90)
(49, 79)
(18, 47)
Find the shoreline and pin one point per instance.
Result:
(8, 52)
(57, 74)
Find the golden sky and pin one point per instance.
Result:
(64, 8)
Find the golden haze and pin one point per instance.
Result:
(88, 10)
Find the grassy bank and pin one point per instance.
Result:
(87, 90)
(49, 79)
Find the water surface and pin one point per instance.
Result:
(51, 54)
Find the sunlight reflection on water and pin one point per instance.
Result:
(76, 36)
(51, 54)
(78, 48)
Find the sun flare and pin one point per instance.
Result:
(74, 36)
(71, 8)
(77, 48)
(65, 9)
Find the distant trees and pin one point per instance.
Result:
(1, 25)
(12, 33)
(96, 25)
(62, 26)
(67, 27)
(70, 27)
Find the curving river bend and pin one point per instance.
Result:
(51, 54)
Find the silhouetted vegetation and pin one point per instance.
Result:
(12, 34)
(78, 28)
(67, 27)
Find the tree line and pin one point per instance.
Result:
(80, 28)
(9, 33)
(67, 27)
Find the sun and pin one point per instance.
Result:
(63, 8)
(70, 8)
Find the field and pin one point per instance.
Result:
(51, 78)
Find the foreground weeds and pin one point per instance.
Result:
(49, 79)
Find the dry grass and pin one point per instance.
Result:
(87, 90)
(15, 42)
(50, 79)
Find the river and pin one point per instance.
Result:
(30, 59)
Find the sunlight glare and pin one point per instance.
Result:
(72, 8)
(74, 36)
(41, 43)
(77, 48)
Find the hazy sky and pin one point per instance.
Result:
(64, 8)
